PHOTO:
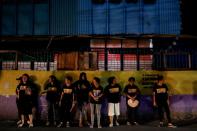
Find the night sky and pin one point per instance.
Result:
(189, 17)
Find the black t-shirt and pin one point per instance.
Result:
(24, 90)
(96, 92)
(35, 93)
(82, 88)
(161, 93)
(52, 95)
(132, 90)
(68, 92)
(113, 93)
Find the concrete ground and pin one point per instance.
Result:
(150, 126)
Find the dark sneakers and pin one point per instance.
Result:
(161, 124)
(170, 125)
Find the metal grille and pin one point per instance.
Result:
(146, 62)
(112, 55)
(130, 62)
(113, 62)
(101, 60)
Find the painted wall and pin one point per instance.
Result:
(182, 85)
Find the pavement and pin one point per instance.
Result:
(149, 126)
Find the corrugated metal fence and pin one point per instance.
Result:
(79, 17)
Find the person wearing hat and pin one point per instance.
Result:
(24, 100)
(161, 101)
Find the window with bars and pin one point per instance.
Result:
(103, 54)
(8, 65)
(101, 60)
(125, 51)
(145, 62)
(40, 65)
(24, 65)
(113, 62)
(177, 60)
(130, 62)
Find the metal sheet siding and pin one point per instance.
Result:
(99, 23)
(170, 22)
(63, 17)
(8, 24)
(81, 17)
(41, 19)
(149, 19)
(75, 17)
(25, 19)
(116, 18)
(132, 18)
(84, 17)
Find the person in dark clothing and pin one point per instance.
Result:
(132, 92)
(52, 97)
(35, 100)
(161, 100)
(67, 102)
(19, 79)
(25, 100)
(113, 94)
(96, 95)
(82, 92)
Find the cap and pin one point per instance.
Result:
(19, 78)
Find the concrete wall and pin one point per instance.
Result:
(182, 86)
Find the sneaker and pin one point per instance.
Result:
(47, 123)
(20, 125)
(117, 124)
(170, 125)
(67, 124)
(135, 123)
(161, 124)
(111, 125)
(18, 122)
(87, 123)
(128, 123)
(31, 125)
(28, 122)
(60, 125)
(91, 126)
(99, 126)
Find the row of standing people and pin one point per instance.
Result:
(82, 93)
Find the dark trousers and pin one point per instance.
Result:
(52, 111)
(82, 106)
(65, 114)
(25, 107)
(132, 114)
(18, 108)
(161, 107)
